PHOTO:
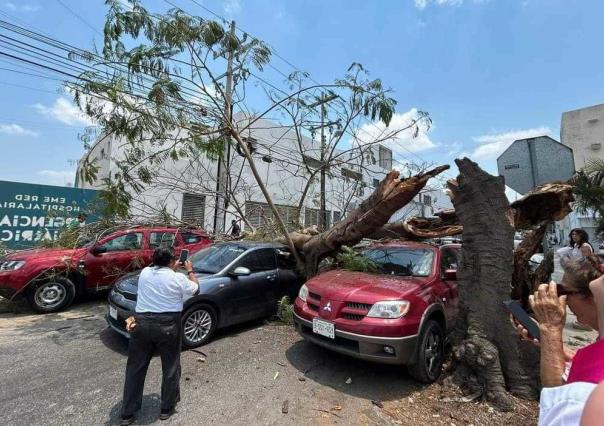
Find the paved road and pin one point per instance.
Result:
(67, 368)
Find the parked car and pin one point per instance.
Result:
(399, 315)
(51, 278)
(239, 281)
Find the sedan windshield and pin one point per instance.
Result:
(401, 261)
(213, 259)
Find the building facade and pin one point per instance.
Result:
(583, 131)
(289, 166)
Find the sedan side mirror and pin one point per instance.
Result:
(241, 271)
(451, 274)
(96, 250)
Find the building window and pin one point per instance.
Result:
(313, 163)
(427, 200)
(376, 182)
(336, 216)
(350, 174)
(193, 209)
(385, 157)
(259, 215)
(360, 192)
(311, 217)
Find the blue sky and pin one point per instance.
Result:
(487, 71)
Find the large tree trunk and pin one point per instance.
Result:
(490, 348)
(391, 195)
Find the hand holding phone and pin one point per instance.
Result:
(184, 255)
(523, 318)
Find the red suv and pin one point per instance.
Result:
(50, 278)
(400, 314)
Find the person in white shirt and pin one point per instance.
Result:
(156, 326)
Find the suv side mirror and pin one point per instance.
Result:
(96, 250)
(240, 271)
(451, 274)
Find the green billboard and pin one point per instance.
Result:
(30, 213)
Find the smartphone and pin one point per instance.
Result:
(184, 255)
(520, 315)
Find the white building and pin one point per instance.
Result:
(186, 188)
(583, 131)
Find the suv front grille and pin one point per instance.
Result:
(359, 306)
(353, 317)
(313, 306)
(314, 295)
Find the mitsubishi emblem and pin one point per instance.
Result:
(327, 307)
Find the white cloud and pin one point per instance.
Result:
(24, 7)
(65, 111)
(16, 130)
(232, 7)
(493, 145)
(58, 177)
(422, 4)
(403, 141)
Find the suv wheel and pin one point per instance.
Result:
(430, 355)
(198, 325)
(51, 296)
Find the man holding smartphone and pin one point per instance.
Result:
(156, 326)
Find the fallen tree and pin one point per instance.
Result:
(372, 214)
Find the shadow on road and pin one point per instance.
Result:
(148, 414)
(379, 382)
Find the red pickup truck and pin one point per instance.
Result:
(400, 314)
(51, 278)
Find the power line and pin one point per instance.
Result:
(77, 15)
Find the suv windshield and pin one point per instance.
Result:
(401, 261)
(214, 259)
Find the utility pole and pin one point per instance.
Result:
(223, 163)
(321, 103)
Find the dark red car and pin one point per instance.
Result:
(50, 278)
(400, 314)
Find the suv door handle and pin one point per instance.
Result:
(271, 277)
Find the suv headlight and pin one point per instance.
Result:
(389, 309)
(11, 265)
(303, 293)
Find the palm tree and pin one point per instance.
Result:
(588, 186)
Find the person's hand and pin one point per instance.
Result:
(549, 309)
(130, 324)
(188, 266)
(523, 332)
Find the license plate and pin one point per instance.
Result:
(323, 328)
(112, 312)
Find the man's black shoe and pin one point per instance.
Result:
(125, 421)
(165, 415)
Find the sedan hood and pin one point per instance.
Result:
(363, 287)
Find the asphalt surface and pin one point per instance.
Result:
(68, 369)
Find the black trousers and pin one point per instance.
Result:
(153, 332)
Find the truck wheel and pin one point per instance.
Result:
(430, 353)
(198, 325)
(51, 296)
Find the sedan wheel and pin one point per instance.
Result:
(198, 325)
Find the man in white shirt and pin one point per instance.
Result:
(157, 327)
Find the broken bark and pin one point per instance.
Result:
(392, 194)
(550, 202)
(444, 224)
(523, 277)
(490, 347)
